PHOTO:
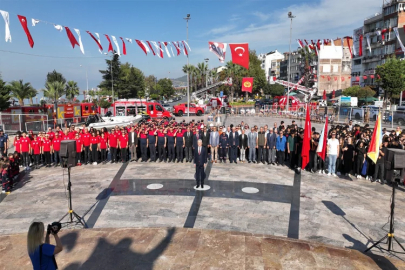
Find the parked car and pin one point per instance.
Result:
(262, 102)
(167, 107)
(181, 109)
(170, 100)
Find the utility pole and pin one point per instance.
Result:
(289, 61)
(188, 65)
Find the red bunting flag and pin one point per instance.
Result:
(300, 43)
(240, 54)
(96, 40)
(360, 45)
(140, 44)
(247, 85)
(23, 21)
(71, 37)
(150, 46)
(177, 47)
(324, 95)
(307, 138)
(322, 146)
(335, 79)
(110, 47)
(124, 48)
(184, 48)
(161, 51)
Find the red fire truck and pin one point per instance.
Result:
(132, 107)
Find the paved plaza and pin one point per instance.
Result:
(343, 212)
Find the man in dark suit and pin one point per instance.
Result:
(188, 137)
(234, 144)
(243, 142)
(200, 161)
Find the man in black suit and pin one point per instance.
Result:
(234, 144)
(188, 137)
(200, 161)
(243, 142)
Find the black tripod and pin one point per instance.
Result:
(73, 215)
(390, 234)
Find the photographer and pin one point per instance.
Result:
(42, 254)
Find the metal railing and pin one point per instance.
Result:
(13, 122)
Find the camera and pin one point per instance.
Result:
(54, 228)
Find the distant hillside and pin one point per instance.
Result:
(182, 81)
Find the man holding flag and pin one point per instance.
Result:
(375, 151)
(307, 141)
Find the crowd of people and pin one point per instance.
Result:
(171, 141)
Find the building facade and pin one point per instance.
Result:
(271, 64)
(379, 42)
(334, 66)
(297, 66)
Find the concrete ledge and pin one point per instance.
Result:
(178, 248)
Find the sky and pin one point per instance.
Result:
(262, 24)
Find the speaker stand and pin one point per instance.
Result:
(73, 216)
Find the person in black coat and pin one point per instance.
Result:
(188, 138)
(234, 145)
(200, 161)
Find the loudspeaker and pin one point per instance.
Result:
(395, 160)
(68, 152)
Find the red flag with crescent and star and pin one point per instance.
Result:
(240, 54)
(247, 85)
(23, 21)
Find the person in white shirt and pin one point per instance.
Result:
(333, 153)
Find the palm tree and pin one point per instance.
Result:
(308, 57)
(233, 71)
(213, 74)
(21, 91)
(195, 75)
(72, 90)
(202, 68)
(54, 90)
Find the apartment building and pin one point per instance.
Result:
(271, 64)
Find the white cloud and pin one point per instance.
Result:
(220, 30)
(261, 16)
(320, 20)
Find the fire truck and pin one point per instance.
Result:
(14, 118)
(133, 107)
(294, 103)
(220, 103)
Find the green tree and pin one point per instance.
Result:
(132, 81)
(167, 88)
(366, 92)
(188, 68)
(21, 90)
(71, 90)
(111, 78)
(54, 90)
(256, 72)
(392, 76)
(308, 57)
(352, 91)
(274, 89)
(4, 96)
(202, 70)
(150, 85)
(54, 76)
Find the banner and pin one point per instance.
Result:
(247, 85)
(219, 49)
(400, 42)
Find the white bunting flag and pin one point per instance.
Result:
(34, 22)
(7, 22)
(116, 45)
(80, 40)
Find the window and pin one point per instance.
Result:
(357, 62)
(335, 68)
(86, 108)
(326, 68)
(158, 108)
(150, 107)
(192, 105)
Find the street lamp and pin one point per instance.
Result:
(290, 16)
(188, 65)
(206, 77)
(112, 77)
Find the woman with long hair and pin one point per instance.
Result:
(348, 156)
(42, 253)
(361, 153)
(94, 140)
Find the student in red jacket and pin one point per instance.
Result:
(123, 144)
(102, 145)
(56, 149)
(86, 146)
(46, 150)
(113, 143)
(94, 147)
(79, 149)
(36, 146)
(17, 146)
(25, 150)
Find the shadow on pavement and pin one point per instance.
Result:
(119, 256)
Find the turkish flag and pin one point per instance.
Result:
(247, 85)
(23, 21)
(324, 95)
(306, 145)
(240, 54)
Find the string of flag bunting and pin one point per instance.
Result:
(157, 48)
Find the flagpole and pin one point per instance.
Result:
(289, 61)
(188, 79)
